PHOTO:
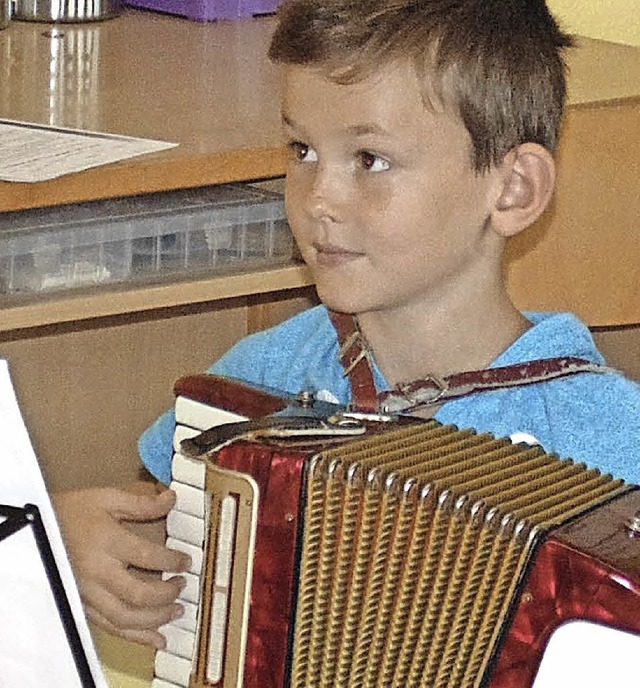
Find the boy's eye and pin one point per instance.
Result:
(302, 152)
(372, 162)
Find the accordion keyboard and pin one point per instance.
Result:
(187, 525)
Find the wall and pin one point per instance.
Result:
(617, 21)
(611, 20)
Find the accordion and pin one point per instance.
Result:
(336, 549)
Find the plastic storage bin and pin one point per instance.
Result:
(209, 10)
(230, 228)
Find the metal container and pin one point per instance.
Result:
(66, 10)
(5, 13)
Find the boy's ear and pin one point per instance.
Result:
(527, 178)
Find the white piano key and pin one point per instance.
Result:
(159, 683)
(183, 432)
(185, 527)
(191, 591)
(188, 471)
(174, 669)
(179, 641)
(194, 552)
(593, 654)
(189, 499)
(189, 620)
(202, 416)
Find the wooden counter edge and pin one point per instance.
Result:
(84, 305)
(151, 173)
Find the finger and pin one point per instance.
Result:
(138, 507)
(147, 636)
(123, 615)
(135, 591)
(133, 550)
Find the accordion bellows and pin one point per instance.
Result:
(414, 542)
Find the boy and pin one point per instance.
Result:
(421, 137)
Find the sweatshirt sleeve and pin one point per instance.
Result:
(155, 445)
(299, 352)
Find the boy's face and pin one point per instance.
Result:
(381, 195)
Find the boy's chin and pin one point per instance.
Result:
(346, 295)
(341, 303)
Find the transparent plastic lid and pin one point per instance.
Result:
(177, 233)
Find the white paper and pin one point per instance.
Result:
(45, 660)
(32, 638)
(585, 654)
(35, 153)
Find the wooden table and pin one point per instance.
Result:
(210, 88)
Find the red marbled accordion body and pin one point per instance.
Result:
(588, 568)
(574, 575)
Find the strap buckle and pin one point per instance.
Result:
(354, 339)
(412, 395)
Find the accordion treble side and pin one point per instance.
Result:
(415, 554)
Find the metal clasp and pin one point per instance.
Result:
(408, 397)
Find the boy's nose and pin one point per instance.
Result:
(325, 195)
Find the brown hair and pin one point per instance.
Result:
(497, 63)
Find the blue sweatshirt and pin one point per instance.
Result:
(590, 417)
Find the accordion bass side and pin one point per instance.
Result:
(361, 554)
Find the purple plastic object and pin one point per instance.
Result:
(209, 10)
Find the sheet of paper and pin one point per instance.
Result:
(33, 644)
(21, 482)
(35, 153)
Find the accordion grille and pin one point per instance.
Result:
(413, 545)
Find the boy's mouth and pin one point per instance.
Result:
(332, 255)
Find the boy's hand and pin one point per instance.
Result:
(117, 569)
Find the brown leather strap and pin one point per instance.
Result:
(433, 390)
(354, 355)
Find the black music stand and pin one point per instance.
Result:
(15, 519)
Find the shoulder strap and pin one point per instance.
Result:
(431, 390)
(354, 355)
